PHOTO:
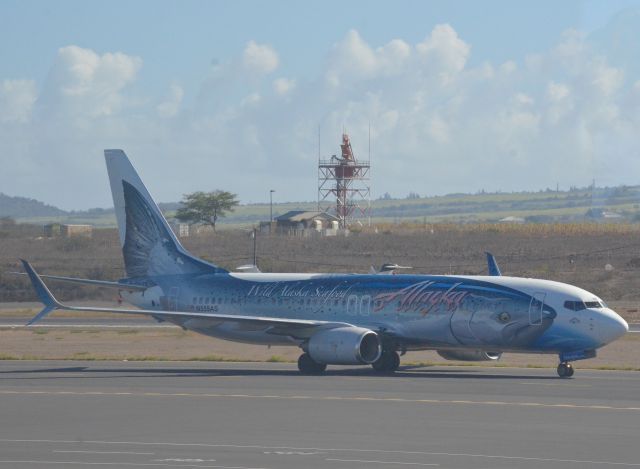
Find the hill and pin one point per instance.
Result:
(575, 205)
(22, 207)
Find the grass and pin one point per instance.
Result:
(277, 359)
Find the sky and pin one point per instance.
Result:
(459, 96)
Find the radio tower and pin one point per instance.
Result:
(345, 180)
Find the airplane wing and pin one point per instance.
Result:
(299, 328)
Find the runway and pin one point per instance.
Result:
(241, 415)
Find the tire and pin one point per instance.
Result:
(565, 370)
(387, 363)
(308, 366)
(570, 370)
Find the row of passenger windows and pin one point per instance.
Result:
(580, 305)
(206, 300)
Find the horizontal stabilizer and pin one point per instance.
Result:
(49, 301)
(92, 282)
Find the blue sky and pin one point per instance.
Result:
(180, 87)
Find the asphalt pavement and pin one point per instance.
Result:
(241, 415)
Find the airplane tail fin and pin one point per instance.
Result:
(149, 246)
(494, 270)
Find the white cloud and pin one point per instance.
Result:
(444, 51)
(251, 100)
(283, 86)
(353, 59)
(523, 99)
(557, 91)
(171, 105)
(84, 83)
(439, 122)
(260, 58)
(607, 79)
(16, 100)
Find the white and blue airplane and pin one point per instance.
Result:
(346, 319)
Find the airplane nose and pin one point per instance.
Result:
(611, 326)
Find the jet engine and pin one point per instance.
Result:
(345, 346)
(469, 355)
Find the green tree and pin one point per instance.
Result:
(206, 207)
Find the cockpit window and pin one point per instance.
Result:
(580, 305)
(574, 305)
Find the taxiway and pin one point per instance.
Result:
(240, 415)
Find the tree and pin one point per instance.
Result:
(206, 207)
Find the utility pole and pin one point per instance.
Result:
(255, 246)
(271, 204)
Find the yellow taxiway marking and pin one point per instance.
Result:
(542, 405)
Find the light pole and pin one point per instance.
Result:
(271, 204)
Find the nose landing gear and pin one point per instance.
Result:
(565, 370)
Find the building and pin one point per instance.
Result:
(181, 230)
(303, 223)
(55, 230)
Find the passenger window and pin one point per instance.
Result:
(365, 305)
(352, 305)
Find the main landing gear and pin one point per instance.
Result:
(565, 370)
(388, 362)
(308, 366)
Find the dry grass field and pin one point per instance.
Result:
(573, 253)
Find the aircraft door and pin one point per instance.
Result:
(174, 294)
(536, 307)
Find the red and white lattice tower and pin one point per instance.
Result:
(343, 186)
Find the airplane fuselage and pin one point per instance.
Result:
(417, 311)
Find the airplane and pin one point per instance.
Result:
(339, 319)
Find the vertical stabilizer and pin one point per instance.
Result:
(149, 246)
(492, 264)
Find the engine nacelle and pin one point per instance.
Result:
(345, 346)
(469, 355)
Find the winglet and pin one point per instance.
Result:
(494, 270)
(46, 297)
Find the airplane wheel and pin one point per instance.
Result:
(308, 366)
(571, 370)
(565, 370)
(387, 363)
